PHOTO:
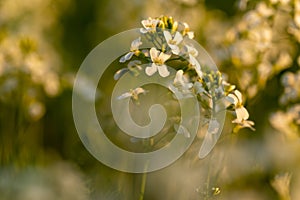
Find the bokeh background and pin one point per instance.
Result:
(42, 44)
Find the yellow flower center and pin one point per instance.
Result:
(172, 42)
(158, 61)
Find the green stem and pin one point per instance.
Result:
(143, 186)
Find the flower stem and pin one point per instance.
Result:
(143, 186)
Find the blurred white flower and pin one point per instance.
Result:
(291, 92)
(191, 51)
(287, 122)
(264, 10)
(58, 181)
(52, 84)
(240, 110)
(134, 49)
(133, 67)
(149, 25)
(158, 59)
(187, 31)
(242, 114)
(196, 65)
(262, 36)
(281, 183)
(192, 54)
(173, 41)
(284, 61)
(36, 110)
(133, 93)
(181, 82)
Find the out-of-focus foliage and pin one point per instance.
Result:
(42, 42)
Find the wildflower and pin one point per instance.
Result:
(133, 67)
(134, 49)
(281, 183)
(186, 31)
(191, 51)
(236, 99)
(242, 114)
(264, 10)
(133, 93)
(192, 54)
(196, 65)
(173, 41)
(149, 25)
(244, 123)
(181, 82)
(158, 59)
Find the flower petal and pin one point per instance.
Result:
(191, 51)
(135, 44)
(178, 37)
(233, 99)
(163, 71)
(175, 49)
(124, 96)
(145, 23)
(151, 70)
(139, 90)
(178, 78)
(164, 57)
(120, 73)
(128, 56)
(241, 113)
(190, 34)
(143, 30)
(196, 65)
(168, 36)
(154, 53)
(239, 96)
(230, 99)
(122, 59)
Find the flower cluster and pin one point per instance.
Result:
(29, 63)
(171, 47)
(261, 44)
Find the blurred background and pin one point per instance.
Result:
(42, 45)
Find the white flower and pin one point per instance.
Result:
(281, 183)
(264, 10)
(158, 59)
(133, 93)
(196, 65)
(181, 82)
(193, 53)
(173, 41)
(149, 25)
(240, 110)
(134, 48)
(187, 31)
(242, 114)
(181, 87)
(133, 67)
(244, 123)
